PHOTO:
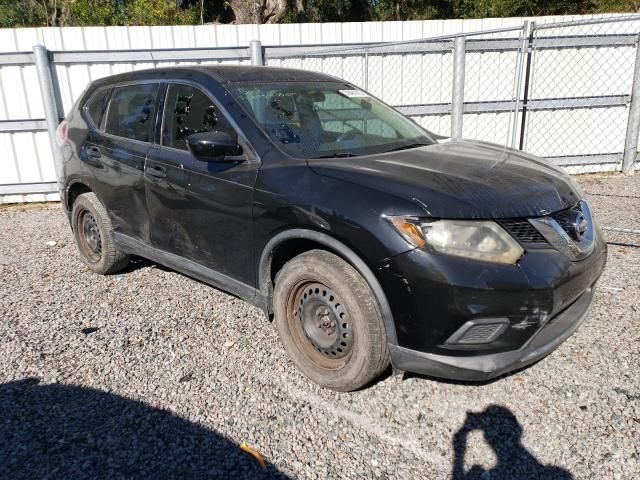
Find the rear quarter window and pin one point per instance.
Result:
(131, 112)
(97, 104)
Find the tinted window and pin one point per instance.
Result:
(188, 110)
(97, 104)
(132, 110)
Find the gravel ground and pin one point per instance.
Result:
(149, 374)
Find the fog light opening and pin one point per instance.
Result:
(479, 331)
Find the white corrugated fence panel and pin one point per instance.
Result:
(402, 79)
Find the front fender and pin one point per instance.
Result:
(264, 270)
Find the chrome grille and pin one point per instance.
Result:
(523, 231)
(560, 230)
(563, 218)
(526, 233)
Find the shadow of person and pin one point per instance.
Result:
(503, 433)
(57, 431)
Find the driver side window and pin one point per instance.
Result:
(187, 111)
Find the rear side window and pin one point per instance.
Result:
(187, 111)
(132, 110)
(97, 104)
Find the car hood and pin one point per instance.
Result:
(461, 179)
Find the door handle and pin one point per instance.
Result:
(91, 155)
(94, 152)
(157, 171)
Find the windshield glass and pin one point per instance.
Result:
(327, 119)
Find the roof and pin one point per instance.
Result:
(223, 74)
(246, 73)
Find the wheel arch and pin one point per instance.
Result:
(74, 190)
(290, 243)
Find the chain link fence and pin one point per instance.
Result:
(580, 83)
(562, 91)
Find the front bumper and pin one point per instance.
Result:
(485, 367)
(435, 298)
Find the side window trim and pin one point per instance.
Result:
(103, 117)
(105, 114)
(166, 88)
(85, 108)
(159, 120)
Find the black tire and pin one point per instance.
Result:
(93, 233)
(329, 321)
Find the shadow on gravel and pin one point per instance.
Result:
(503, 433)
(57, 431)
(136, 263)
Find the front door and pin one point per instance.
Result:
(200, 210)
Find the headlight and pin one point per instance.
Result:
(480, 240)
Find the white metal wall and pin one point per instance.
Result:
(25, 156)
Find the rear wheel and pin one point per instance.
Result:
(93, 233)
(329, 321)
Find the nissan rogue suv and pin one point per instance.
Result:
(368, 240)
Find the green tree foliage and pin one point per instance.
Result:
(504, 8)
(131, 12)
(337, 11)
(25, 13)
(40, 13)
(439, 9)
(21, 14)
(411, 9)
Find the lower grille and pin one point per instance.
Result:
(479, 333)
(475, 332)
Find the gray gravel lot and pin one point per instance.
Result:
(149, 374)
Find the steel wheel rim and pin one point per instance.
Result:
(320, 324)
(89, 236)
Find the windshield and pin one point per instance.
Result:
(327, 119)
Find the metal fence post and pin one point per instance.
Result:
(50, 103)
(255, 50)
(457, 97)
(633, 124)
(518, 87)
(366, 69)
(527, 83)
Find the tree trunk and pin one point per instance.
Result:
(244, 11)
(54, 14)
(63, 20)
(258, 11)
(46, 12)
(397, 7)
(273, 10)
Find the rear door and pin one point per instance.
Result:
(201, 210)
(115, 153)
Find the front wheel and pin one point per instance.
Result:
(329, 321)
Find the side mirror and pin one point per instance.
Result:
(213, 146)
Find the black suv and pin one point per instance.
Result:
(368, 239)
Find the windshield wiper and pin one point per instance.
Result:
(409, 146)
(337, 155)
